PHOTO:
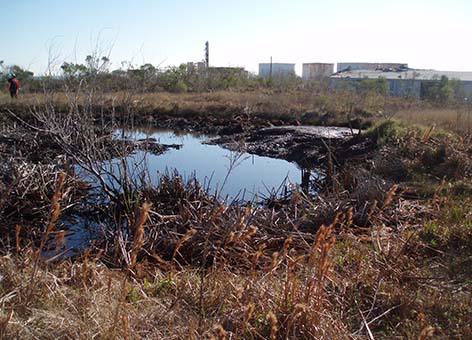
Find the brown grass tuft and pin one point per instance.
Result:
(272, 319)
(138, 239)
(182, 240)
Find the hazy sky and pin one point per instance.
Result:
(425, 34)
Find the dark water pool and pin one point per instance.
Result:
(229, 175)
(226, 173)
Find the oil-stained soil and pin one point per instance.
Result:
(306, 145)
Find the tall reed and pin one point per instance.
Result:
(54, 215)
(138, 239)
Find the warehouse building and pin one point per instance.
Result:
(276, 70)
(316, 71)
(370, 66)
(412, 83)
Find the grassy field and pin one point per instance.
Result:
(302, 106)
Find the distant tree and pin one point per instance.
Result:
(458, 89)
(226, 78)
(147, 74)
(441, 91)
(96, 65)
(284, 83)
(376, 86)
(446, 90)
(173, 79)
(148, 70)
(74, 70)
(2, 73)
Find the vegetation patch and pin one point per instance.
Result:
(381, 249)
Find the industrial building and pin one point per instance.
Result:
(276, 70)
(197, 67)
(370, 66)
(316, 71)
(408, 82)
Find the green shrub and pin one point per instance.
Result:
(384, 130)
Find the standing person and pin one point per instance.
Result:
(13, 85)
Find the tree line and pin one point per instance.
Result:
(191, 77)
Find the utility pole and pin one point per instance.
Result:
(270, 68)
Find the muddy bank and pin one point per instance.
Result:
(291, 138)
(21, 142)
(208, 124)
(223, 119)
(284, 137)
(306, 145)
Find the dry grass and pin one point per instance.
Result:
(458, 119)
(325, 108)
(348, 281)
(303, 106)
(284, 301)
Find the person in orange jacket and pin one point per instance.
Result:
(13, 85)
